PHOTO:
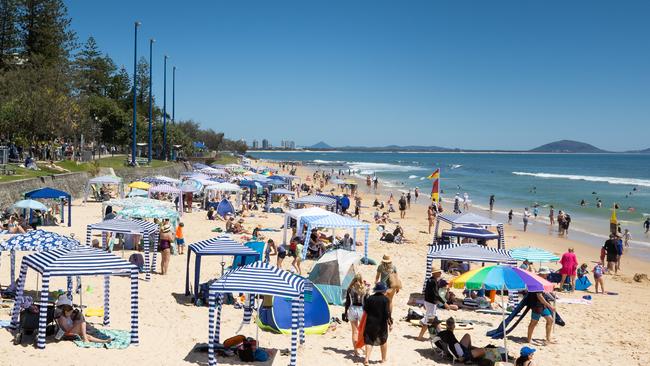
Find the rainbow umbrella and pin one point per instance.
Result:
(502, 277)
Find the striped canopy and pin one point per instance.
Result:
(501, 277)
(534, 254)
(470, 231)
(78, 261)
(470, 253)
(468, 219)
(314, 199)
(282, 191)
(336, 221)
(165, 188)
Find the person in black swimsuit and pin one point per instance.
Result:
(378, 322)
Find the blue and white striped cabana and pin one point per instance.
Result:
(222, 245)
(337, 222)
(262, 279)
(297, 215)
(78, 261)
(314, 200)
(148, 230)
(471, 219)
(37, 241)
(471, 232)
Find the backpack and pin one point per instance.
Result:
(246, 351)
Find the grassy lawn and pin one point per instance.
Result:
(225, 159)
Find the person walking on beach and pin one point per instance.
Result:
(431, 216)
(492, 202)
(386, 271)
(417, 194)
(619, 252)
(368, 182)
(626, 238)
(355, 298)
(375, 182)
(646, 224)
(551, 216)
(432, 299)
(378, 322)
(540, 308)
(569, 263)
(525, 218)
(408, 199)
(510, 217)
(402, 206)
(612, 251)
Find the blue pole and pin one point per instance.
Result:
(165, 111)
(151, 41)
(135, 80)
(174, 94)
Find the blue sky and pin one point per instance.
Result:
(473, 74)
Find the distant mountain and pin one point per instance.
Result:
(646, 151)
(320, 145)
(568, 146)
(395, 148)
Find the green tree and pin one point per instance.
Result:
(9, 33)
(93, 70)
(120, 86)
(47, 37)
(142, 95)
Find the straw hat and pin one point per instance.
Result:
(386, 259)
(435, 270)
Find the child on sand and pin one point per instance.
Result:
(598, 272)
(180, 239)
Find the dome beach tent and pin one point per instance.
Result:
(37, 241)
(297, 214)
(148, 230)
(262, 279)
(51, 193)
(333, 273)
(105, 179)
(78, 261)
(166, 188)
(222, 245)
(471, 219)
(337, 222)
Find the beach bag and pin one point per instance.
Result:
(234, 341)
(394, 282)
(261, 355)
(246, 350)
(362, 328)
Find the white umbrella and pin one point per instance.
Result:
(30, 205)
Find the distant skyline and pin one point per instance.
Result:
(477, 75)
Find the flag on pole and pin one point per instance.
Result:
(435, 191)
(435, 174)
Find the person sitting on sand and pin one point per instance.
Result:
(238, 227)
(230, 224)
(316, 246)
(211, 213)
(13, 226)
(72, 322)
(526, 357)
(257, 232)
(462, 349)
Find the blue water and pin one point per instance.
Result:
(517, 181)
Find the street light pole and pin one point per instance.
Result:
(174, 94)
(151, 41)
(135, 80)
(165, 110)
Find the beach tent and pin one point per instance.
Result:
(471, 232)
(51, 193)
(171, 190)
(76, 261)
(277, 317)
(314, 200)
(148, 230)
(333, 273)
(225, 207)
(337, 222)
(105, 179)
(471, 219)
(297, 214)
(263, 279)
(211, 191)
(222, 245)
(34, 240)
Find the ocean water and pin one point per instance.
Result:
(517, 181)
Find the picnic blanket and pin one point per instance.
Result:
(121, 339)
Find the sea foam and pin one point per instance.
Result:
(589, 178)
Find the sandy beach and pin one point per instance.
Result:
(611, 331)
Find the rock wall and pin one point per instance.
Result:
(74, 183)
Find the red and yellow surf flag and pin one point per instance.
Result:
(435, 191)
(435, 174)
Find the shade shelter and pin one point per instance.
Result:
(171, 190)
(131, 202)
(51, 193)
(37, 241)
(262, 279)
(276, 192)
(78, 261)
(222, 245)
(213, 190)
(297, 214)
(337, 222)
(148, 230)
(471, 219)
(470, 232)
(314, 200)
(532, 254)
(105, 179)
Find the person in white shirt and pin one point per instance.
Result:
(525, 218)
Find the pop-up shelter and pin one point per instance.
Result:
(314, 200)
(337, 222)
(78, 261)
(297, 214)
(37, 241)
(171, 190)
(51, 193)
(148, 230)
(333, 273)
(470, 232)
(262, 279)
(277, 192)
(471, 219)
(105, 179)
(222, 245)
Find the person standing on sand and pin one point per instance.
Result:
(626, 238)
(165, 245)
(432, 299)
(569, 263)
(402, 206)
(619, 252)
(417, 194)
(612, 251)
(384, 272)
(431, 216)
(492, 202)
(378, 322)
(375, 182)
(646, 224)
(368, 182)
(540, 308)
(355, 298)
(525, 218)
(551, 215)
(408, 199)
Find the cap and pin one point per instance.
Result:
(526, 351)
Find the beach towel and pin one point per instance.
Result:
(98, 312)
(574, 301)
(121, 339)
(362, 327)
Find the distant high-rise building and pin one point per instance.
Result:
(265, 144)
(287, 144)
(256, 145)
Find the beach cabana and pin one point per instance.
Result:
(470, 232)
(107, 180)
(314, 200)
(171, 190)
(297, 214)
(36, 241)
(148, 230)
(51, 193)
(262, 279)
(337, 222)
(471, 219)
(77, 261)
(277, 192)
(222, 245)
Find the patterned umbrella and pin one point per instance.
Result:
(533, 255)
(149, 212)
(137, 202)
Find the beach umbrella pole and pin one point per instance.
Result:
(503, 321)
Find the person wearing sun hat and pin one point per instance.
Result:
(378, 321)
(526, 357)
(72, 322)
(384, 271)
(431, 300)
